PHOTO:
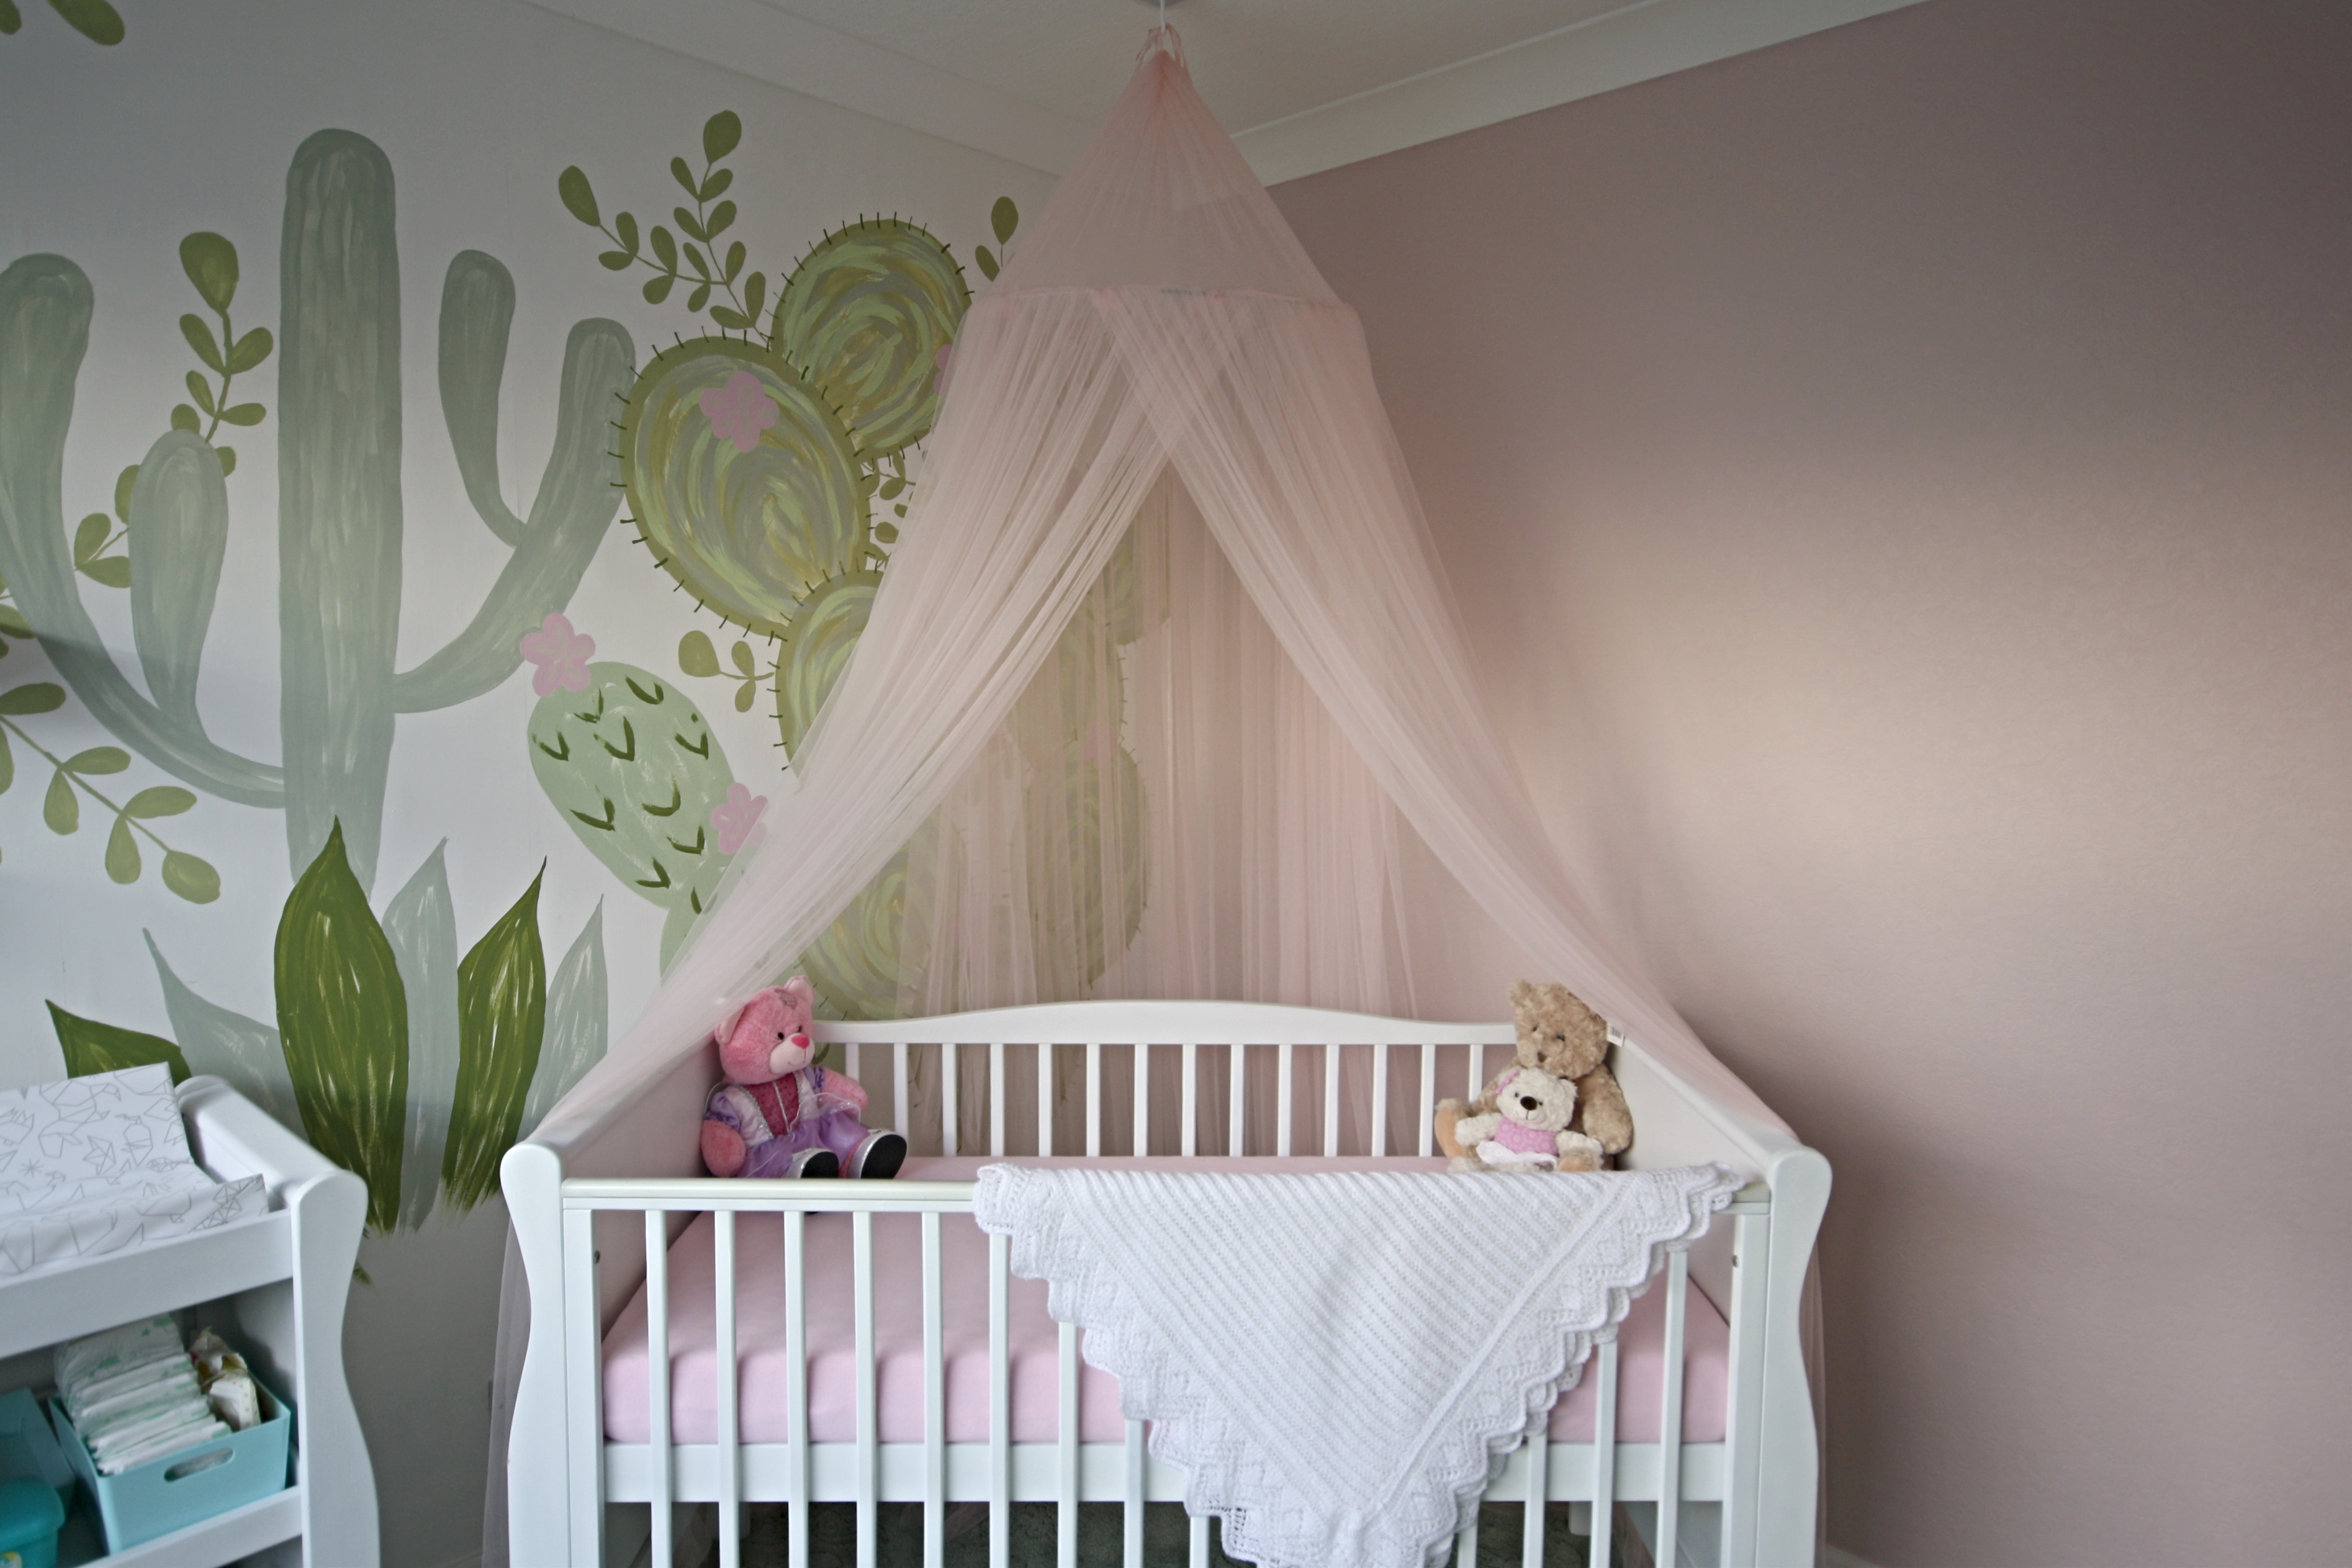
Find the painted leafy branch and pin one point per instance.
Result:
(187, 875)
(693, 248)
(93, 19)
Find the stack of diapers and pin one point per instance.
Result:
(136, 1393)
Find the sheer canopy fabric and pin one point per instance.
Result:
(1161, 337)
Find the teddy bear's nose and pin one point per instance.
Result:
(1528, 1101)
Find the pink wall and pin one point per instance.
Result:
(1901, 483)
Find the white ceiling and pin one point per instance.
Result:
(1303, 84)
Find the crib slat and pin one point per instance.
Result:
(1330, 1100)
(935, 1402)
(583, 1369)
(869, 1435)
(658, 1376)
(996, 1099)
(796, 1391)
(1094, 1099)
(1066, 1432)
(1236, 1070)
(1198, 1557)
(1143, 1059)
(951, 1098)
(1426, 1097)
(1604, 1451)
(1044, 1098)
(1531, 1536)
(1670, 1417)
(902, 1102)
(1379, 1127)
(1190, 1143)
(1465, 1544)
(1131, 1553)
(1286, 1059)
(731, 1435)
(999, 1403)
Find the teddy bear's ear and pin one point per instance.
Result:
(1522, 994)
(799, 991)
(724, 1030)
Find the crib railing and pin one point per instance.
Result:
(1708, 1503)
(1067, 1471)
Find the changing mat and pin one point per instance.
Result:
(765, 1415)
(94, 1164)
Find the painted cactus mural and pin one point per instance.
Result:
(632, 764)
(408, 1063)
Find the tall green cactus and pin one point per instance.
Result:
(341, 519)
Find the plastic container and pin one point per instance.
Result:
(27, 1447)
(186, 1488)
(30, 1514)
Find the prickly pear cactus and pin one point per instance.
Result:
(866, 313)
(633, 767)
(825, 635)
(743, 481)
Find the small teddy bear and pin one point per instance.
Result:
(778, 1115)
(1567, 1039)
(1528, 1130)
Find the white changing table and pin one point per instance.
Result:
(274, 1285)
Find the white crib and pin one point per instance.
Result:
(596, 1200)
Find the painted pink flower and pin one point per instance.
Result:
(739, 410)
(735, 815)
(561, 654)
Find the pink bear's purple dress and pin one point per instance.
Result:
(778, 1119)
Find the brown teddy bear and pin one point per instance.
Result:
(1563, 1036)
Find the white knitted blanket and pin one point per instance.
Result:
(1338, 1361)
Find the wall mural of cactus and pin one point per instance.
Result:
(754, 465)
(412, 1066)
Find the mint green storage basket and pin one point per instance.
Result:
(186, 1488)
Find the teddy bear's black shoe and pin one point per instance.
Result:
(879, 1157)
(814, 1162)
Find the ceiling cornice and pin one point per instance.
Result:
(1637, 42)
(850, 73)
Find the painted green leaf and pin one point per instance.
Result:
(113, 570)
(701, 297)
(243, 1051)
(227, 455)
(159, 800)
(59, 808)
(183, 417)
(578, 199)
(421, 923)
(684, 176)
(243, 413)
(721, 134)
(717, 181)
(694, 259)
(744, 696)
(665, 248)
(39, 697)
(615, 260)
(93, 19)
(696, 656)
(123, 852)
(1003, 218)
(625, 226)
(10, 17)
(200, 338)
(741, 654)
(210, 262)
(191, 877)
(250, 350)
(124, 482)
(755, 293)
(342, 1013)
(501, 1021)
(733, 320)
(7, 764)
(98, 760)
(13, 621)
(987, 259)
(200, 393)
(93, 1047)
(89, 537)
(578, 1017)
(723, 219)
(657, 289)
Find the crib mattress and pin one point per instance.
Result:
(764, 1407)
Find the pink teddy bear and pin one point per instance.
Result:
(778, 1115)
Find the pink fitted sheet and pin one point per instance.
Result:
(1035, 1391)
